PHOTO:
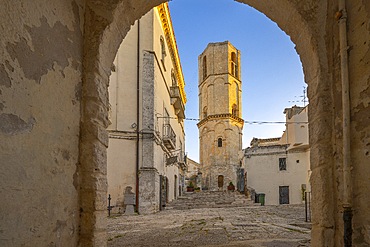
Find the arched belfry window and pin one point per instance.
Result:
(234, 64)
(237, 100)
(219, 142)
(204, 67)
(205, 114)
(235, 110)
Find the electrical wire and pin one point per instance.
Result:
(247, 122)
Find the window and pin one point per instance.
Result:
(282, 164)
(166, 118)
(235, 110)
(237, 93)
(219, 142)
(205, 112)
(173, 78)
(234, 65)
(204, 67)
(163, 50)
(181, 154)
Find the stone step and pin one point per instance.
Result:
(209, 200)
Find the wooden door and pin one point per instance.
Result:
(220, 181)
(284, 194)
(163, 192)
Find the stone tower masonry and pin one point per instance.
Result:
(221, 125)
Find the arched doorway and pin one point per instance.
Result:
(105, 31)
(220, 182)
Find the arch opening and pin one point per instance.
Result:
(98, 67)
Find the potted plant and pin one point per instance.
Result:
(190, 187)
(231, 186)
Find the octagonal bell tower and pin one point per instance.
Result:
(220, 107)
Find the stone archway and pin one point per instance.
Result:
(308, 23)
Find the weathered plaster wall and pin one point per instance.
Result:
(359, 75)
(40, 94)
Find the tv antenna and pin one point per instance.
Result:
(304, 97)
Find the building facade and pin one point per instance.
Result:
(193, 173)
(221, 125)
(280, 167)
(147, 104)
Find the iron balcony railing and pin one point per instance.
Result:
(169, 137)
(182, 160)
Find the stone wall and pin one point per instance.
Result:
(219, 90)
(216, 160)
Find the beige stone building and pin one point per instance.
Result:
(146, 135)
(221, 125)
(280, 167)
(55, 61)
(193, 173)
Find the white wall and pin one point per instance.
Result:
(122, 96)
(265, 177)
(296, 129)
(121, 153)
(262, 162)
(121, 170)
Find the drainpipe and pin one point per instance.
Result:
(137, 116)
(347, 183)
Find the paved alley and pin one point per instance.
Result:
(220, 224)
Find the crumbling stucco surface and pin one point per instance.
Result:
(40, 99)
(359, 70)
(41, 75)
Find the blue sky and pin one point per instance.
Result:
(272, 75)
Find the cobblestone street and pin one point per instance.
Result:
(251, 225)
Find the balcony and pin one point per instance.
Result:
(177, 102)
(169, 137)
(182, 160)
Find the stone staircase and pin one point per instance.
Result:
(210, 199)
